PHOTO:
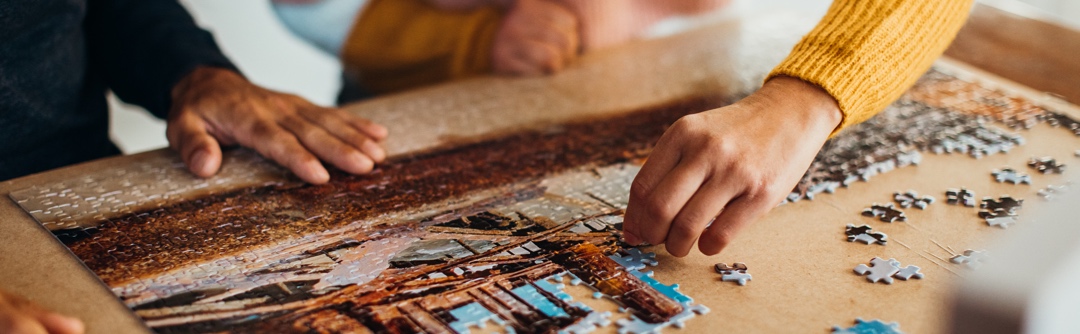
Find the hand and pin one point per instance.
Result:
(213, 107)
(733, 164)
(536, 37)
(21, 316)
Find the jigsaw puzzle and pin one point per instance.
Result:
(869, 327)
(886, 213)
(1001, 212)
(1046, 165)
(458, 239)
(734, 273)
(1051, 192)
(912, 199)
(960, 197)
(971, 259)
(885, 270)
(865, 235)
(1011, 176)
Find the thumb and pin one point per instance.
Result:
(200, 151)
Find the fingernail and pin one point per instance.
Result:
(198, 161)
(631, 239)
(321, 174)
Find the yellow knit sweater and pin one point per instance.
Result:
(865, 53)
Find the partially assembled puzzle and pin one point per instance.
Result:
(486, 234)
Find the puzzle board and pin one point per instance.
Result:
(485, 233)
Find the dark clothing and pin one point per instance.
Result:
(59, 57)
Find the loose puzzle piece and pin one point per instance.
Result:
(1000, 213)
(972, 259)
(1046, 165)
(879, 270)
(886, 213)
(960, 197)
(864, 234)
(735, 273)
(911, 198)
(1051, 192)
(869, 327)
(1011, 176)
(635, 259)
(908, 272)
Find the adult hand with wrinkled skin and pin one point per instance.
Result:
(213, 107)
(713, 173)
(535, 37)
(21, 316)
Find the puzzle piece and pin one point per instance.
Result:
(1011, 176)
(911, 198)
(1001, 212)
(960, 197)
(879, 270)
(864, 234)
(972, 259)
(869, 327)
(1051, 192)
(908, 272)
(633, 324)
(886, 213)
(735, 273)
(591, 322)
(635, 259)
(1046, 165)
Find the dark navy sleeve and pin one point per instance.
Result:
(142, 48)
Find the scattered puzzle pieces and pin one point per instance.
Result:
(1046, 165)
(735, 273)
(972, 259)
(960, 197)
(869, 327)
(1011, 176)
(865, 234)
(1001, 212)
(912, 198)
(879, 270)
(886, 213)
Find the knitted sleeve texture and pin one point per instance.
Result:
(866, 53)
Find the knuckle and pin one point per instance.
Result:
(683, 228)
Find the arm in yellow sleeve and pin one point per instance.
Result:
(866, 53)
(401, 44)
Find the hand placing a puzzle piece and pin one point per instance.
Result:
(733, 164)
(21, 316)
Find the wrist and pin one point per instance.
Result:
(800, 103)
(199, 78)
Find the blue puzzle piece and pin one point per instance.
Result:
(470, 315)
(869, 327)
(672, 291)
(635, 259)
(531, 296)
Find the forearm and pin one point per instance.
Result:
(866, 53)
(145, 47)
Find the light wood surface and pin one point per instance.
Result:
(798, 240)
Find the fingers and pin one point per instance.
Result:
(20, 316)
(188, 135)
(695, 216)
(736, 216)
(659, 164)
(654, 211)
(277, 144)
(342, 129)
(328, 147)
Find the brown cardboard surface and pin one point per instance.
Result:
(800, 263)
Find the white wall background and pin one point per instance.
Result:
(249, 33)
